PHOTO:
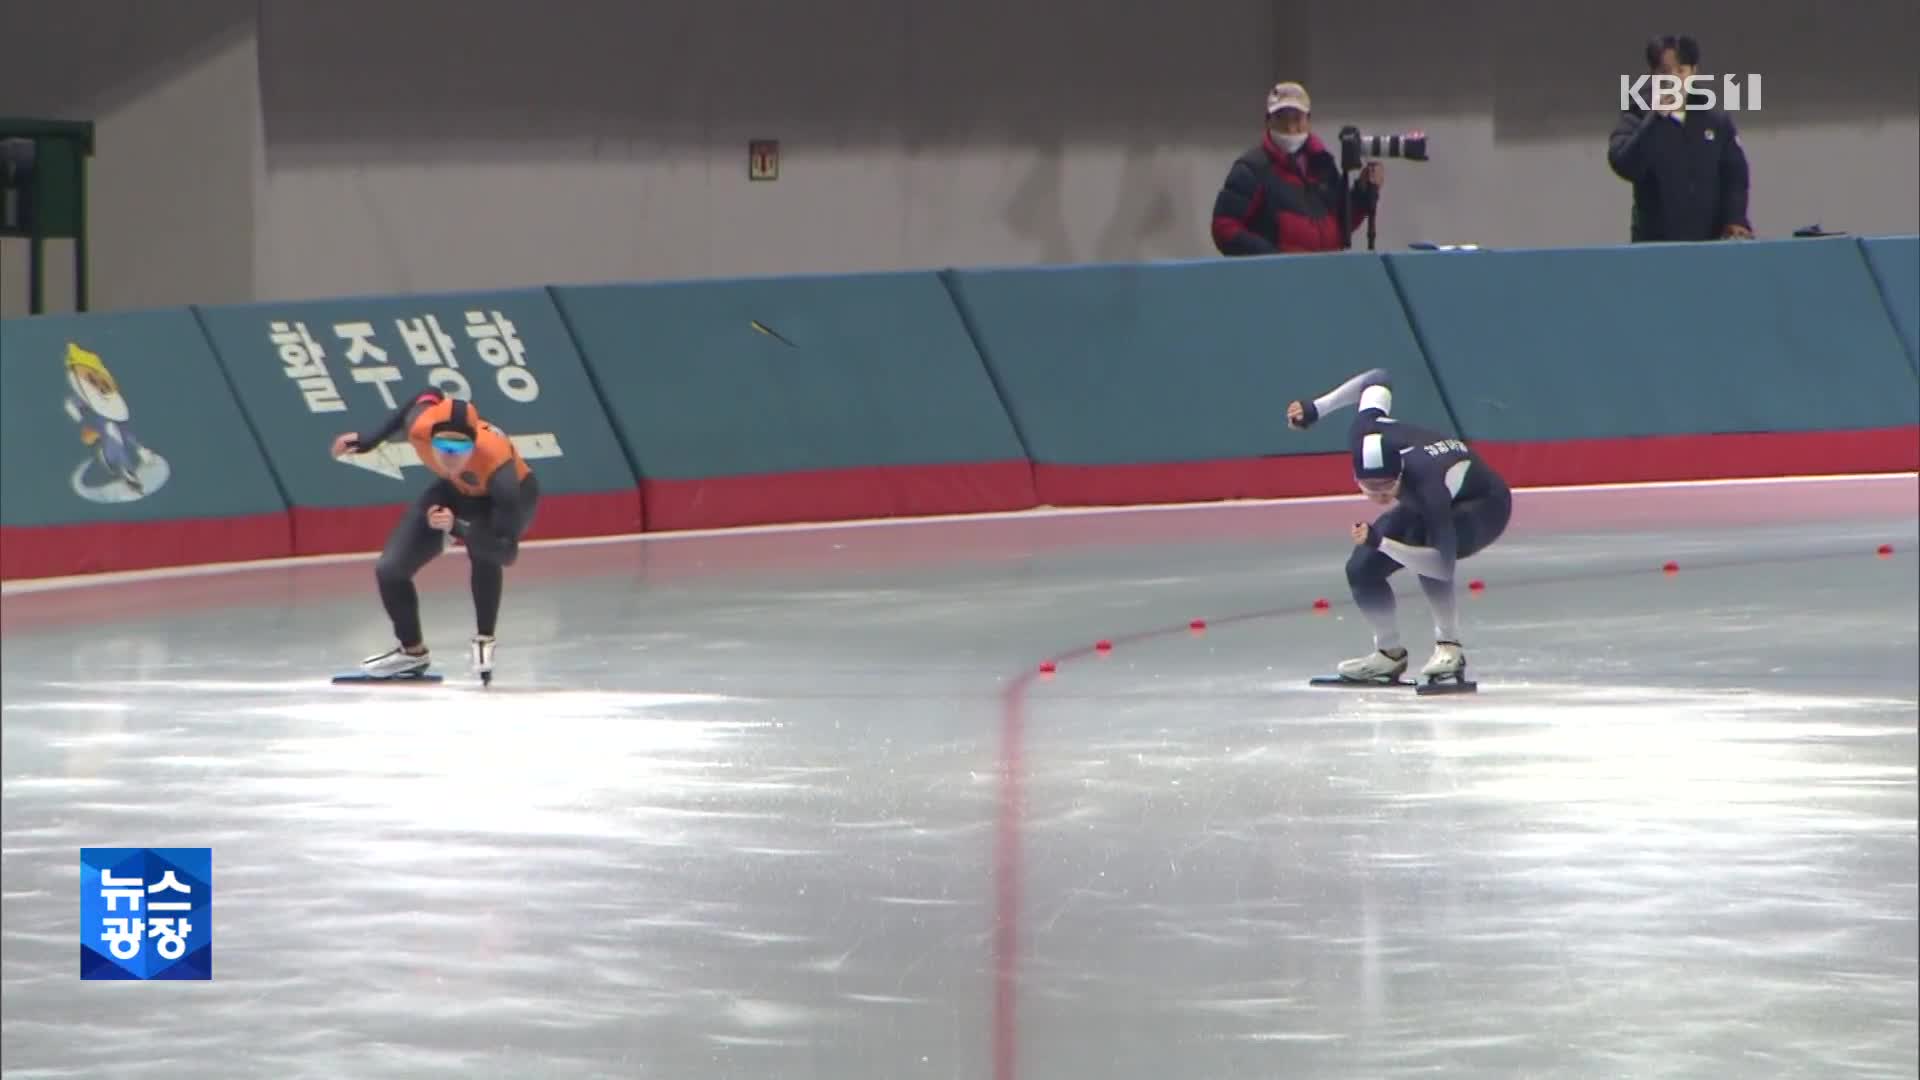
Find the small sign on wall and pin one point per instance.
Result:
(763, 159)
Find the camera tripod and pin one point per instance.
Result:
(1346, 208)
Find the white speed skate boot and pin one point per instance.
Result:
(483, 657)
(396, 663)
(1381, 665)
(1449, 660)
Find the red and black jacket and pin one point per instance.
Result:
(1269, 206)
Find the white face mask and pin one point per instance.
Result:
(1290, 143)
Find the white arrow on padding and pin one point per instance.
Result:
(534, 447)
(388, 459)
(385, 459)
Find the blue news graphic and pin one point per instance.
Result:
(146, 913)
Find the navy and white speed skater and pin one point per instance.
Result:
(1446, 504)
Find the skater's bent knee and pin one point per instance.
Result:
(391, 572)
(501, 557)
(1362, 567)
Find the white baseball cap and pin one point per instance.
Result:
(1288, 95)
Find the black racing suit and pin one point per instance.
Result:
(1451, 505)
(490, 525)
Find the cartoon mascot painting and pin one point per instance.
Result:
(120, 470)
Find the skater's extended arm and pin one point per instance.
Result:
(1371, 389)
(1436, 560)
(497, 538)
(398, 422)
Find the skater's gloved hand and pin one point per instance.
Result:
(1366, 535)
(440, 518)
(346, 443)
(1302, 414)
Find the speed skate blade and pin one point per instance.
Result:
(1351, 684)
(1450, 686)
(357, 677)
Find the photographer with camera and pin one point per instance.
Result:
(1289, 194)
(1688, 172)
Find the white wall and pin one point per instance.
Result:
(1520, 97)
(173, 90)
(913, 134)
(997, 131)
(282, 150)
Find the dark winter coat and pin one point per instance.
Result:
(1270, 205)
(1689, 176)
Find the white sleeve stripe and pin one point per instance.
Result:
(1347, 392)
(1376, 397)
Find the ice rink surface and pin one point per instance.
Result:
(797, 804)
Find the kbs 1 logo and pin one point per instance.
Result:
(146, 913)
(1666, 93)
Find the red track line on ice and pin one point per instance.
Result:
(1008, 855)
(1006, 872)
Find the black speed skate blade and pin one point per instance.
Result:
(1448, 684)
(361, 677)
(1359, 684)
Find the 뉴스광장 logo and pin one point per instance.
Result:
(120, 469)
(146, 913)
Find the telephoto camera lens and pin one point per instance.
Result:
(1411, 146)
(1356, 146)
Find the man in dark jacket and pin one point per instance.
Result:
(1288, 194)
(1688, 171)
